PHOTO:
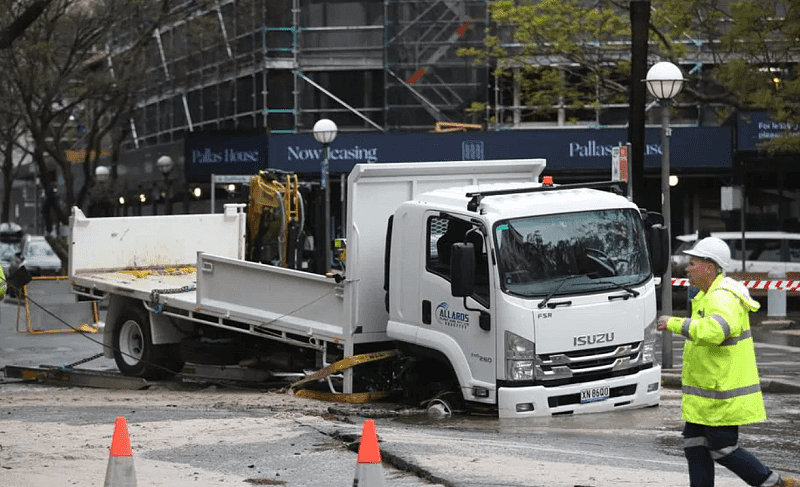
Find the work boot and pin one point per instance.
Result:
(788, 482)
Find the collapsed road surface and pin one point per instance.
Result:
(216, 437)
(212, 436)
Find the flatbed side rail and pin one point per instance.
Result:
(249, 327)
(276, 298)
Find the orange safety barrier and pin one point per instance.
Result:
(52, 298)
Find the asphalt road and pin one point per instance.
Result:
(221, 438)
(228, 437)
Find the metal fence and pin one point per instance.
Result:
(47, 305)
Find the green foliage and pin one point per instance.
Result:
(573, 53)
(558, 51)
(476, 107)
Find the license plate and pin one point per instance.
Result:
(595, 394)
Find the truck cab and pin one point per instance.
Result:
(537, 300)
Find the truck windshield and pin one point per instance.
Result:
(604, 249)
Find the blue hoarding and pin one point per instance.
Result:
(756, 128)
(208, 153)
(579, 149)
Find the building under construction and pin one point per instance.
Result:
(388, 66)
(280, 65)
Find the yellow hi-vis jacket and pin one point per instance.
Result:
(3, 284)
(720, 379)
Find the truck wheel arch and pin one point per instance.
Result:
(131, 341)
(426, 373)
(428, 342)
(454, 354)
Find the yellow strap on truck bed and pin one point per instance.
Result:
(338, 366)
(164, 271)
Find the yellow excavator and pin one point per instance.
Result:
(275, 219)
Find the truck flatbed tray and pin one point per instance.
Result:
(175, 286)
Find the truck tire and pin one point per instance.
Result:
(134, 352)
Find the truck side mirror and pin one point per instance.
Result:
(651, 218)
(462, 269)
(658, 240)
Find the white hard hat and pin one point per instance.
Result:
(711, 248)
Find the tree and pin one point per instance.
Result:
(73, 77)
(20, 22)
(18, 17)
(11, 129)
(737, 55)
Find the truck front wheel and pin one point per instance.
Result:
(134, 352)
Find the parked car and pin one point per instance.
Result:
(11, 236)
(762, 252)
(38, 257)
(7, 252)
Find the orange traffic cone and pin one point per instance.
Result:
(120, 459)
(368, 471)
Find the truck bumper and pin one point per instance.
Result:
(632, 391)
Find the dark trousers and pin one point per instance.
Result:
(703, 445)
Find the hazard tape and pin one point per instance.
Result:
(753, 284)
(338, 366)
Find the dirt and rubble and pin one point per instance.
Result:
(57, 436)
(211, 436)
(215, 436)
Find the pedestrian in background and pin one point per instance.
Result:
(721, 386)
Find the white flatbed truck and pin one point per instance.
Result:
(499, 291)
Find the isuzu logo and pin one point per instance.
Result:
(584, 340)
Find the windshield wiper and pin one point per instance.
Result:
(631, 291)
(554, 291)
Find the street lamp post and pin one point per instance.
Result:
(664, 81)
(325, 132)
(101, 174)
(165, 165)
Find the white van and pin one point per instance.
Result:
(762, 252)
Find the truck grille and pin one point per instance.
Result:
(585, 365)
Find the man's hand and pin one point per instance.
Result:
(661, 323)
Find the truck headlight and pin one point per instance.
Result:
(520, 355)
(649, 344)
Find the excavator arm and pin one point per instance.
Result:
(275, 218)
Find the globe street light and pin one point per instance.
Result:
(664, 81)
(101, 175)
(165, 165)
(325, 132)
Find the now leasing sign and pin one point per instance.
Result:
(208, 153)
(565, 150)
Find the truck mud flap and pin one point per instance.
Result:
(339, 366)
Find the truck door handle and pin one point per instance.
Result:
(426, 312)
(556, 304)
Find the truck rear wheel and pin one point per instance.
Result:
(134, 352)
